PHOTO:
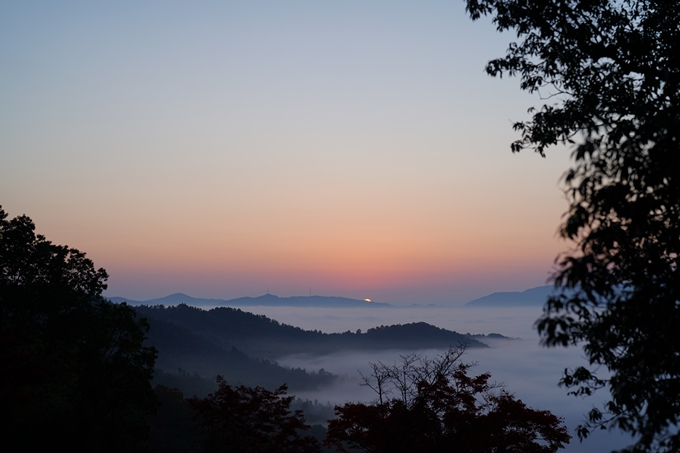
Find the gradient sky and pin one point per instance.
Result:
(225, 148)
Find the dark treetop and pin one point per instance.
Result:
(74, 371)
(608, 72)
(432, 405)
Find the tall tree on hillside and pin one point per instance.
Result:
(433, 405)
(74, 371)
(609, 75)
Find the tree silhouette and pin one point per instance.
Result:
(251, 420)
(172, 429)
(74, 371)
(433, 405)
(609, 75)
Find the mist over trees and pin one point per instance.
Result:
(433, 405)
(260, 336)
(608, 73)
(77, 369)
(180, 348)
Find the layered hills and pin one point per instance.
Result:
(261, 336)
(243, 346)
(181, 351)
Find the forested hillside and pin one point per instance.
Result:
(180, 348)
(259, 336)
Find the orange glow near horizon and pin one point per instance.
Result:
(298, 160)
(223, 256)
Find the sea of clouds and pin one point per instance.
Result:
(528, 370)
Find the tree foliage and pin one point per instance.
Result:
(433, 405)
(74, 371)
(251, 420)
(172, 429)
(609, 75)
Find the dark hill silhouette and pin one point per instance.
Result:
(260, 336)
(180, 348)
(269, 300)
(534, 297)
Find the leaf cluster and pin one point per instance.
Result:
(609, 75)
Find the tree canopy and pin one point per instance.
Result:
(74, 370)
(433, 405)
(251, 419)
(608, 72)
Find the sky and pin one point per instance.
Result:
(226, 149)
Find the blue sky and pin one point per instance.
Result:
(223, 148)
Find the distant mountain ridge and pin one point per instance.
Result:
(534, 297)
(268, 300)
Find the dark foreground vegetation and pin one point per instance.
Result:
(77, 376)
(608, 72)
(75, 373)
(432, 405)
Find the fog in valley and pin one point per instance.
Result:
(528, 370)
